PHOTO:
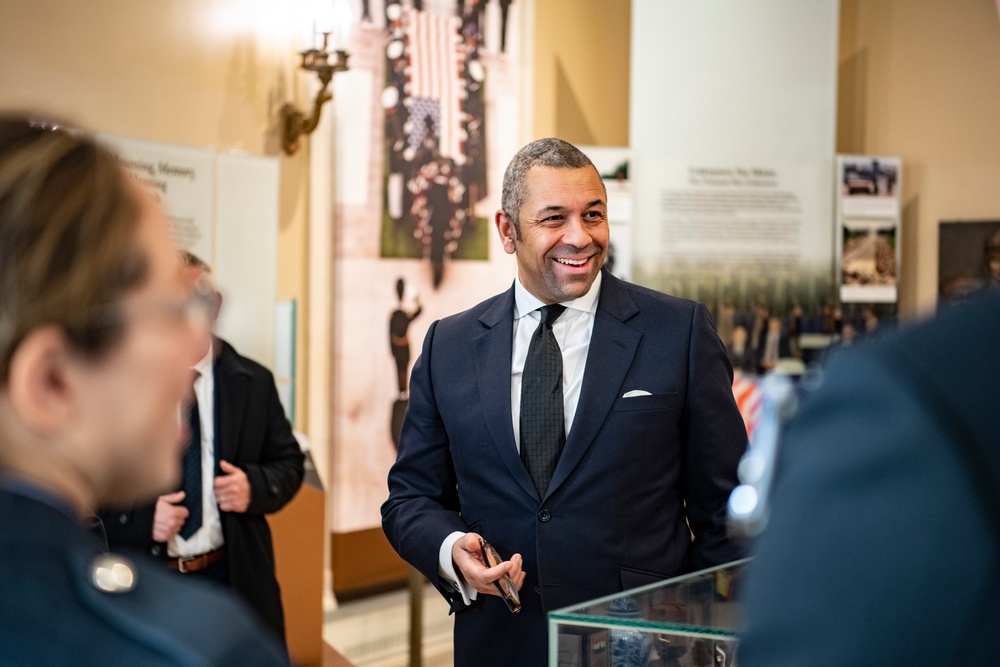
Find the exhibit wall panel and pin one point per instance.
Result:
(733, 135)
(391, 139)
(396, 129)
(246, 236)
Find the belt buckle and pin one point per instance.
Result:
(182, 561)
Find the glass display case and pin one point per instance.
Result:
(693, 620)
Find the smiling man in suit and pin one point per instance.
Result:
(578, 423)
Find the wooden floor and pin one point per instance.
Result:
(375, 631)
(333, 659)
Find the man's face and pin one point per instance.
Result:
(994, 266)
(564, 232)
(132, 407)
(198, 281)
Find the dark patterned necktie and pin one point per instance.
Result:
(543, 431)
(191, 483)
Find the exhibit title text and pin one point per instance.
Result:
(155, 176)
(758, 177)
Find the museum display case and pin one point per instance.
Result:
(692, 620)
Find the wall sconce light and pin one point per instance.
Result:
(325, 61)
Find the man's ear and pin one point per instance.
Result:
(508, 234)
(216, 307)
(40, 386)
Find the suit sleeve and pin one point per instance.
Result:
(275, 477)
(715, 439)
(423, 507)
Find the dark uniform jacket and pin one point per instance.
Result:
(252, 433)
(53, 613)
(883, 545)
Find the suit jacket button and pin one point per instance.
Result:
(544, 516)
(538, 590)
(123, 519)
(155, 550)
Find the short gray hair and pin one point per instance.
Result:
(549, 152)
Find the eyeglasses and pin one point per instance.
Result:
(199, 309)
(508, 591)
(202, 307)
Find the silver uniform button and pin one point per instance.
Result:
(112, 574)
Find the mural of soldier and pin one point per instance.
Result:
(399, 342)
(399, 347)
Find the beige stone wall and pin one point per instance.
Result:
(199, 73)
(581, 71)
(921, 79)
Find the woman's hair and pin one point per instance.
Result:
(68, 251)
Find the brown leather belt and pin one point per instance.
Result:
(187, 564)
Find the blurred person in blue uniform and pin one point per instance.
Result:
(98, 327)
(883, 544)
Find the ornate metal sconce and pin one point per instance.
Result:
(325, 62)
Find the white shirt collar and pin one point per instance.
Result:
(526, 302)
(204, 367)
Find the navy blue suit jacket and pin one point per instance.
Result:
(634, 473)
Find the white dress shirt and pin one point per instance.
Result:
(209, 536)
(572, 331)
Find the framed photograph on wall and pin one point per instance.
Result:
(868, 251)
(968, 257)
(868, 228)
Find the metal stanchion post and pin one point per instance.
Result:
(416, 617)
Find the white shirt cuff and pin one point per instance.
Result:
(446, 567)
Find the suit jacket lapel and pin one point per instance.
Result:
(230, 397)
(613, 345)
(492, 359)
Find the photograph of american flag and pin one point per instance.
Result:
(436, 65)
(749, 401)
(435, 127)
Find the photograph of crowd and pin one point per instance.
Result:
(968, 257)
(869, 178)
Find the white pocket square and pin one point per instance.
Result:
(636, 392)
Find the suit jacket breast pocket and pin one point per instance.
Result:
(670, 401)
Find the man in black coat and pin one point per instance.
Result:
(884, 533)
(258, 468)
